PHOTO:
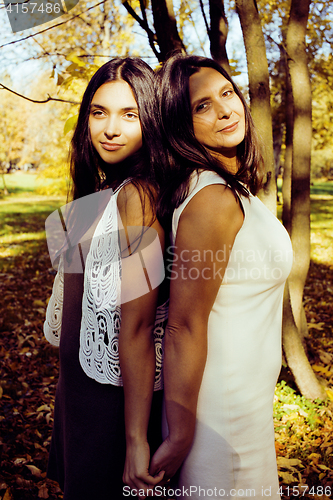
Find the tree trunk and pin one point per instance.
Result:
(166, 28)
(286, 186)
(300, 198)
(5, 190)
(301, 156)
(259, 91)
(218, 33)
(297, 360)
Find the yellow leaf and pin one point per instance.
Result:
(43, 492)
(322, 467)
(321, 369)
(288, 463)
(60, 79)
(8, 495)
(329, 394)
(75, 59)
(287, 477)
(70, 124)
(38, 303)
(43, 408)
(316, 326)
(34, 470)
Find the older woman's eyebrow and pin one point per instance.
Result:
(205, 98)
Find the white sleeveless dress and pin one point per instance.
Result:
(233, 452)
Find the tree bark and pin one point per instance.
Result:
(286, 186)
(300, 200)
(296, 358)
(301, 155)
(5, 190)
(218, 33)
(259, 91)
(166, 28)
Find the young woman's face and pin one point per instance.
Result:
(114, 123)
(218, 114)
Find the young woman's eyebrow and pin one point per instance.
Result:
(100, 106)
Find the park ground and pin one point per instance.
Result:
(29, 365)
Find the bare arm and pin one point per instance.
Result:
(210, 222)
(136, 345)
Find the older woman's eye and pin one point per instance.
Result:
(201, 107)
(228, 92)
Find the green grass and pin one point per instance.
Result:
(322, 188)
(22, 216)
(19, 182)
(321, 220)
(22, 183)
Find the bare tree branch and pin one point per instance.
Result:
(49, 98)
(51, 27)
(204, 16)
(143, 24)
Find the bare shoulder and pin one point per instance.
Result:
(215, 207)
(136, 208)
(135, 205)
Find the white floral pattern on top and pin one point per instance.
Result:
(52, 324)
(101, 311)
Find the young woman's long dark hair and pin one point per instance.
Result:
(87, 168)
(89, 173)
(185, 153)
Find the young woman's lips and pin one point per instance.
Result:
(230, 128)
(111, 146)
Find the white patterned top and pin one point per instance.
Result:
(101, 306)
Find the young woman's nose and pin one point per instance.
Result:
(112, 128)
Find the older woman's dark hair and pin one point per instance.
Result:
(186, 154)
(86, 164)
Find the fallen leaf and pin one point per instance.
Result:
(288, 463)
(8, 495)
(34, 470)
(38, 303)
(43, 492)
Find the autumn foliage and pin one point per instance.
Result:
(29, 368)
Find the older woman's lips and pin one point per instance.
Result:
(230, 128)
(111, 146)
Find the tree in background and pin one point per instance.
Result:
(12, 118)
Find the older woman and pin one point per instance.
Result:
(231, 258)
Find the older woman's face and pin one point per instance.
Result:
(218, 114)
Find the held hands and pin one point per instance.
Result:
(168, 458)
(136, 474)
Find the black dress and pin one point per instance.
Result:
(88, 446)
(88, 441)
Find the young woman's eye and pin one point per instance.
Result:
(97, 113)
(131, 116)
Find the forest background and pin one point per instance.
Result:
(287, 75)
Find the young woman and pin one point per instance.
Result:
(103, 305)
(231, 258)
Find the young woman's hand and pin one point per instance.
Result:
(168, 458)
(136, 474)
